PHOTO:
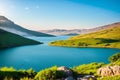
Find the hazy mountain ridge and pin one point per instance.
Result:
(78, 31)
(111, 32)
(8, 25)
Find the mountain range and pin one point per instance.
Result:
(78, 31)
(12, 35)
(8, 25)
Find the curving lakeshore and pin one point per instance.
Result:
(43, 56)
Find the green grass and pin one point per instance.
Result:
(110, 78)
(109, 38)
(88, 68)
(88, 42)
(9, 73)
(110, 33)
(12, 40)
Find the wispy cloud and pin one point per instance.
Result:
(27, 8)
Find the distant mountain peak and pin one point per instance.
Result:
(10, 26)
(3, 18)
(79, 31)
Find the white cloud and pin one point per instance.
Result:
(27, 8)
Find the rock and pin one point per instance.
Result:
(65, 70)
(69, 78)
(87, 77)
(116, 70)
(109, 71)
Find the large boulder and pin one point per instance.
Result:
(65, 70)
(69, 78)
(109, 71)
(116, 70)
(87, 77)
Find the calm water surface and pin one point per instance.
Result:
(42, 56)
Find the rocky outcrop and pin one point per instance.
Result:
(109, 71)
(68, 72)
(69, 75)
(65, 70)
(69, 78)
(86, 77)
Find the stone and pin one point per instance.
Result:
(65, 70)
(69, 78)
(109, 71)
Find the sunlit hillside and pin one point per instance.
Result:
(111, 33)
(109, 38)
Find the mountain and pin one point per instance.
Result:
(106, 36)
(113, 32)
(78, 31)
(58, 32)
(8, 40)
(70, 34)
(8, 25)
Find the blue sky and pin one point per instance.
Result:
(61, 14)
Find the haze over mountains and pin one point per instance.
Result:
(8, 40)
(8, 25)
(11, 34)
(78, 31)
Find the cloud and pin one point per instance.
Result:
(27, 8)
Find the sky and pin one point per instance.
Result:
(61, 14)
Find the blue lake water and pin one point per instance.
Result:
(43, 56)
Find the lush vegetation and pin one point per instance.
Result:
(11, 40)
(9, 73)
(110, 33)
(88, 42)
(109, 38)
(114, 57)
(53, 74)
(110, 78)
(88, 68)
(49, 74)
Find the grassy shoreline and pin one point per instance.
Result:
(88, 43)
(52, 73)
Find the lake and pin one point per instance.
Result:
(43, 56)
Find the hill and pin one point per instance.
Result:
(8, 25)
(79, 31)
(110, 33)
(107, 37)
(8, 40)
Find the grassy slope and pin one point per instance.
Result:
(109, 38)
(11, 40)
(111, 33)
